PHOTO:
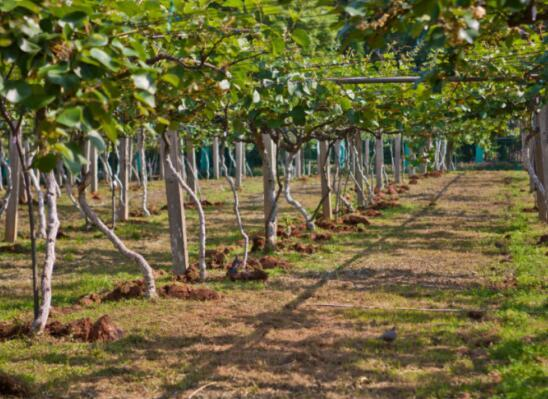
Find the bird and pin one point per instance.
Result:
(389, 335)
(234, 268)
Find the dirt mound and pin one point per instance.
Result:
(543, 239)
(13, 249)
(248, 275)
(530, 210)
(434, 173)
(354, 219)
(384, 204)
(191, 274)
(303, 248)
(90, 299)
(159, 273)
(181, 291)
(257, 243)
(9, 331)
(391, 190)
(77, 329)
(13, 386)
(206, 204)
(321, 236)
(95, 196)
(372, 213)
(271, 262)
(104, 330)
(126, 290)
(217, 258)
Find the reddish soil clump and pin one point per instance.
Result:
(384, 204)
(96, 196)
(181, 291)
(249, 275)
(372, 213)
(90, 299)
(321, 236)
(105, 330)
(13, 386)
(126, 290)
(191, 274)
(9, 331)
(77, 329)
(355, 219)
(257, 243)
(303, 248)
(217, 258)
(159, 273)
(271, 262)
(530, 210)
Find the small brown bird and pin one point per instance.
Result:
(389, 335)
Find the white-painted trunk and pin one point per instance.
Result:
(147, 271)
(39, 323)
(124, 162)
(94, 172)
(8, 187)
(12, 211)
(191, 175)
(236, 208)
(201, 217)
(269, 191)
(289, 198)
(239, 164)
(144, 174)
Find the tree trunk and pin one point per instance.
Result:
(12, 211)
(175, 208)
(49, 262)
(357, 152)
(191, 174)
(269, 191)
(125, 170)
(161, 165)
(397, 159)
(240, 163)
(144, 173)
(216, 159)
(94, 173)
(298, 164)
(379, 162)
(541, 162)
(309, 221)
(35, 179)
(147, 271)
(325, 180)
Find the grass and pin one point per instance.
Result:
(269, 338)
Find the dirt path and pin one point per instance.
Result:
(278, 342)
(428, 259)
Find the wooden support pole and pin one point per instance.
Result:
(125, 172)
(299, 164)
(216, 158)
(379, 162)
(240, 164)
(541, 161)
(175, 207)
(357, 169)
(397, 159)
(325, 180)
(161, 165)
(94, 175)
(12, 211)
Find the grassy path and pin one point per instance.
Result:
(457, 242)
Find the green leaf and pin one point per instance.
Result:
(301, 37)
(145, 82)
(28, 46)
(45, 163)
(146, 98)
(104, 58)
(71, 117)
(96, 140)
(256, 97)
(16, 91)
